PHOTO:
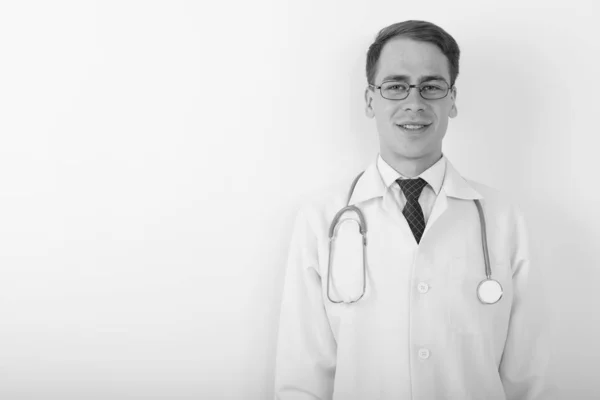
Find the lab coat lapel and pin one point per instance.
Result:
(454, 185)
(370, 185)
(440, 205)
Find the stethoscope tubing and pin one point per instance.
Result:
(362, 226)
(486, 254)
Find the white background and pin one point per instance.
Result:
(153, 155)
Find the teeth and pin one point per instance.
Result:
(413, 127)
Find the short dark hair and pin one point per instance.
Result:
(417, 30)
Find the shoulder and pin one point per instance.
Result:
(319, 206)
(488, 192)
(325, 198)
(497, 201)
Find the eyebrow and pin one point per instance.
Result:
(407, 78)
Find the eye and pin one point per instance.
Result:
(396, 87)
(431, 88)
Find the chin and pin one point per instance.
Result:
(415, 153)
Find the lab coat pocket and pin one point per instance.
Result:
(465, 312)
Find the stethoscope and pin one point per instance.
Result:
(489, 291)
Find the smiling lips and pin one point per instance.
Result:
(414, 126)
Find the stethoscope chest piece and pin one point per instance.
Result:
(489, 291)
(352, 264)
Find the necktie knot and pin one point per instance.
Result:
(412, 188)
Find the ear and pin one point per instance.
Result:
(369, 111)
(453, 111)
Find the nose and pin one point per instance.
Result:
(414, 102)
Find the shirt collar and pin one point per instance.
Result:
(433, 175)
(374, 182)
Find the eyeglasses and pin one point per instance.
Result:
(430, 90)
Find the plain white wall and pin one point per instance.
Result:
(153, 155)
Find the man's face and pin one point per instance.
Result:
(412, 62)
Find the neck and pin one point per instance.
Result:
(410, 167)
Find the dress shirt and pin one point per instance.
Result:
(434, 176)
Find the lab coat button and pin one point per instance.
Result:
(423, 354)
(423, 287)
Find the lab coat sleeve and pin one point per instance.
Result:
(306, 349)
(526, 351)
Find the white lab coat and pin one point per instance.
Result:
(420, 331)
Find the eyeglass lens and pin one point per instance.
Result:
(431, 90)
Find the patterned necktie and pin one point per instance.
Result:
(412, 210)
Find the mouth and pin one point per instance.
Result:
(413, 128)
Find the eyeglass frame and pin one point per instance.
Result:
(410, 87)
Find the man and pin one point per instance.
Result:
(417, 327)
